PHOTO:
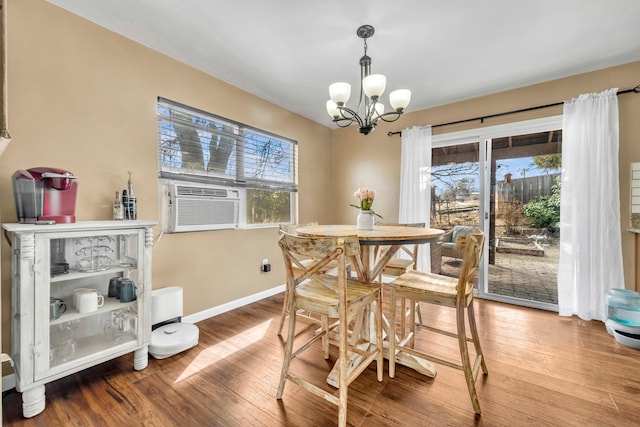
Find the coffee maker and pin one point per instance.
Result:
(45, 195)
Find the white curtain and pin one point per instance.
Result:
(415, 183)
(590, 248)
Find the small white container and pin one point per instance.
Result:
(166, 304)
(175, 337)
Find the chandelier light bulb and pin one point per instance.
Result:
(332, 109)
(399, 99)
(379, 109)
(374, 85)
(340, 92)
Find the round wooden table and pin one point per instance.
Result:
(382, 235)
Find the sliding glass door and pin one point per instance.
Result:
(505, 180)
(455, 198)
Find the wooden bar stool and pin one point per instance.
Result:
(332, 266)
(330, 297)
(417, 286)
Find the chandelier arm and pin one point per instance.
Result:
(343, 125)
(372, 113)
(362, 95)
(353, 116)
(392, 113)
(343, 119)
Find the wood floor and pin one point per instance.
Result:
(544, 370)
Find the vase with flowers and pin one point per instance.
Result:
(366, 218)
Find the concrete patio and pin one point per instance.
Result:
(520, 276)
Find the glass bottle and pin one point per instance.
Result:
(118, 209)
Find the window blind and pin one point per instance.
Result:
(203, 147)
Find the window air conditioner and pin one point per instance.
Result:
(197, 207)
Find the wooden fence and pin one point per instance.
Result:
(525, 189)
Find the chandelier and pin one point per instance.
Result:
(372, 87)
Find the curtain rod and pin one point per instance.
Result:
(482, 118)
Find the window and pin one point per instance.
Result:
(198, 147)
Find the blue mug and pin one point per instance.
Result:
(56, 308)
(114, 287)
(127, 290)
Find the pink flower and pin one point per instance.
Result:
(366, 197)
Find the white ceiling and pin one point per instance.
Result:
(289, 51)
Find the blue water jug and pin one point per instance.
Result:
(623, 306)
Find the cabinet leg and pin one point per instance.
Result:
(33, 401)
(141, 358)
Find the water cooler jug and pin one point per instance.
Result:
(623, 316)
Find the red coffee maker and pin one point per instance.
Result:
(45, 195)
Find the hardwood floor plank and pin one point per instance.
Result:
(544, 370)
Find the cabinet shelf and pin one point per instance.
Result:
(93, 346)
(74, 274)
(110, 304)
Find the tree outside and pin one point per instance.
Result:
(268, 207)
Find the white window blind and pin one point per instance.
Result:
(199, 146)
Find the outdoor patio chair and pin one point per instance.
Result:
(449, 240)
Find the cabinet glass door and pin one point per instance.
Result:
(86, 295)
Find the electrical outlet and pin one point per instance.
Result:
(266, 267)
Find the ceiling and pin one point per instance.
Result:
(289, 51)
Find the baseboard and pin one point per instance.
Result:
(9, 381)
(232, 305)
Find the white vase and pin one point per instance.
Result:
(366, 220)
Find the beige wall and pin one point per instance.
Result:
(374, 161)
(84, 99)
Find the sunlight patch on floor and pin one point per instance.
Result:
(224, 349)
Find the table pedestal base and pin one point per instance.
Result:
(420, 365)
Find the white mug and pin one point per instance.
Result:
(89, 300)
(76, 292)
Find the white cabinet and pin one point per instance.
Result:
(51, 262)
